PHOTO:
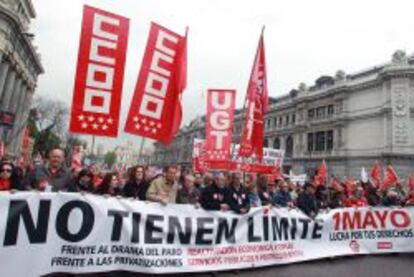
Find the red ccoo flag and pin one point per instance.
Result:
(390, 177)
(322, 174)
(100, 72)
(256, 105)
(376, 173)
(155, 110)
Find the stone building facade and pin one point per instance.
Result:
(350, 120)
(20, 67)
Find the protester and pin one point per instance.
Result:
(97, 178)
(212, 197)
(207, 180)
(110, 185)
(53, 176)
(252, 194)
(164, 188)
(356, 199)
(187, 193)
(137, 185)
(83, 181)
(307, 201)
(9, 179)
(282, 197)
(391, 199)
(236, 195)
(263, 190)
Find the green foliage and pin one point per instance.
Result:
(110, 158)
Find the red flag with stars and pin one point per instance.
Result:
(219, 124)
(256, 105)
(100, 72)
(155, 110)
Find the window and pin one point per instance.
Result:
(330, 110)
(320, 141)
(293, 118)
(276, 143)
(310, 142)
(274, 123)
(265, 143)
(287, 120)
(311, 113)
(320, 112)
(289, 147)
(329, 140)
(280, 121)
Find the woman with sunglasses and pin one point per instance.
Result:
(9, 179)
(110, 185)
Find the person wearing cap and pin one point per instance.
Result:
(307, 201)
(212, 197)
(236, 195)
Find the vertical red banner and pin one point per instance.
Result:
(100, 73)
(219, 124)
(155, 110)
(256, 106)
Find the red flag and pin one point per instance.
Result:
(411, 183)
(322, 175)
(155, 110)
(390, 177)
(376, 172)
(100, 73)
(219, 123)
(256, 105)
(336, 185)
(349, 185)
(2, 149)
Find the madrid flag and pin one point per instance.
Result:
(155, 110)
(100, 73)
(219, 123)
(256, 106)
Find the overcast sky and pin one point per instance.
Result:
(304, 40)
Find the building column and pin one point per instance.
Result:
(21, 122)
(8, 90)
(4, 70)
(17, 91)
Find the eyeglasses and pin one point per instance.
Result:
(5, 170)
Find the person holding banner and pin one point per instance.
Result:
(282, 197)
(137, 185)
(53, 176)
(212, 197)
(307, 201)
(236, 195)
(110, 185)
(263, 189)
(187, 193)
(164, 188)
(9, 179)
(83, 181)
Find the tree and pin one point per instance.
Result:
(48, 124)
(110, 158)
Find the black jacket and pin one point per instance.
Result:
(132, 189)
(236, 199)
(212, 197)
(307, 203)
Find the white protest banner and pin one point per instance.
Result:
(74, 233)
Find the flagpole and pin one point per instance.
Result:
(141, 148)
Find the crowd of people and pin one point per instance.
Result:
(219, 191)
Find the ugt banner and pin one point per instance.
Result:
(76, 233)
(270, 163)
(100, 73)
(219, 123)
(155, 110)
